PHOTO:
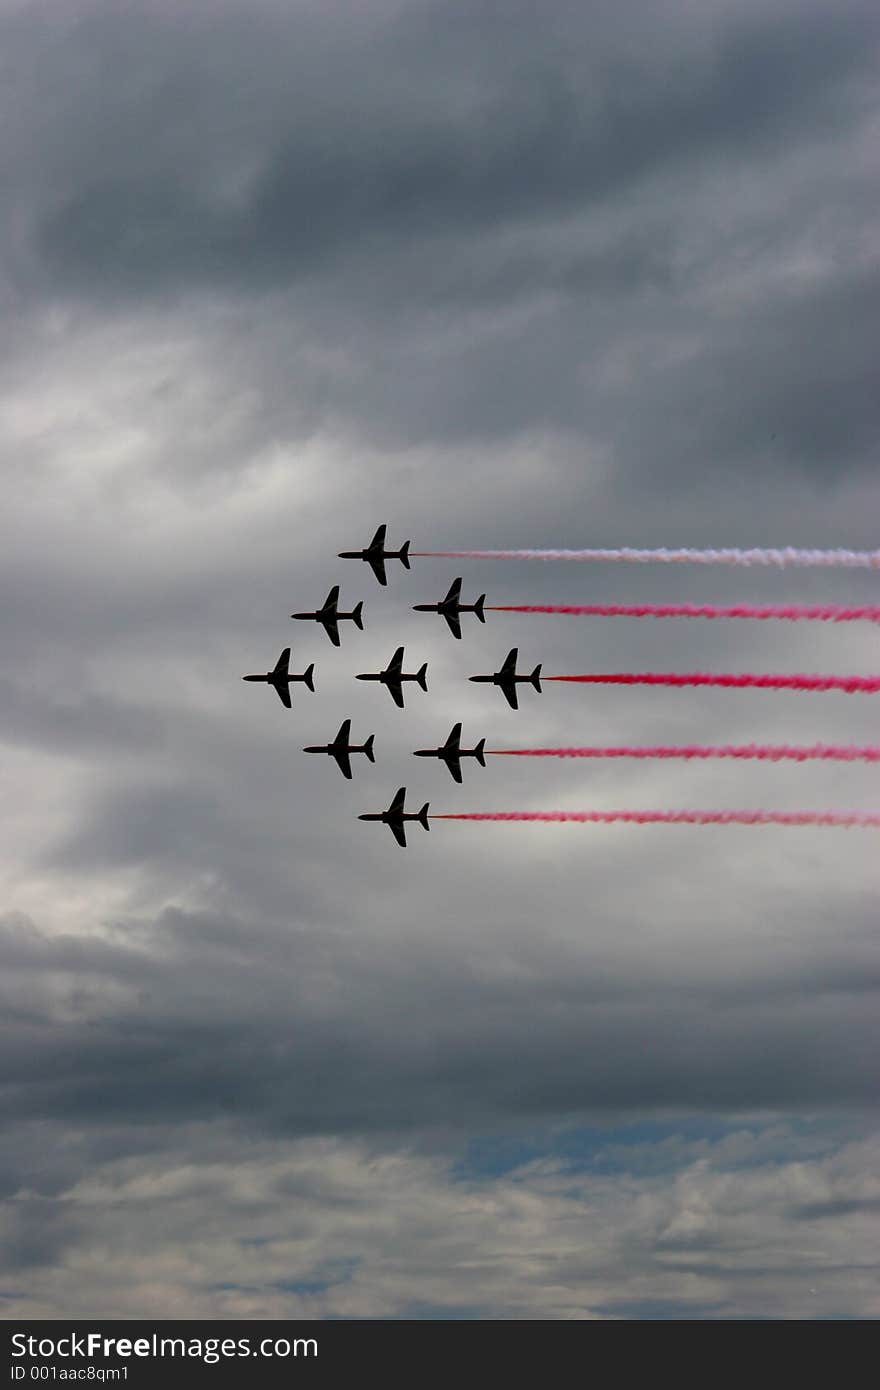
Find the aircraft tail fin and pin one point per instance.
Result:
(358, 615)
(478, 608)
(479, 752)
(535, 677)
(404, 554)
(423, 815)
(309, 677)
(422, 677)
(368, 748)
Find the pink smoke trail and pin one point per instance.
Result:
(827, 613)
(851, 684)
(768, 752)
(789, 555)
(866, 820)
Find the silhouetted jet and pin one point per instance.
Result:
(393, 676)
(451, 607)
(452, 752)
(281, 678)
(507, 679)
(395, 817)
(340, 748)
(376, 554)
(330, 616)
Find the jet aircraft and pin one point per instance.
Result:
(394, 675)
(451, 753)
(395, 817)
(507, 680)
(281, 678)
(375, 554)
(451, 608)
(340, 748)
(330, 616)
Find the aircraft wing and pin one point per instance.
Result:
(509, 666)
(379, 538)
(331, 628)
(377, 563)
(283, 663)
(454, 592)
(332, 598)
(510, 695)
(454, 622)
(343, 760)
(396, 662)
(399, 833)
(396, 693)
(283, 694)
(455, 768)
(399, 798)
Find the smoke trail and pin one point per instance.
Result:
(839, 818)
(789, 555)
(768, 752)
(826, 613)
(851, 684)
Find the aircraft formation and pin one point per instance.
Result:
(394, 678)
(508, 679)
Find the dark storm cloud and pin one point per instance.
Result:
(822, 1211)
(497, 223)
(369, 153)
(320, 1033)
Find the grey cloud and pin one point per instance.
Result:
(320, 1034)
(37, 1232)
(68, 727)
(808, 387)
(353, 164)
(842, 1206)
(506, 237)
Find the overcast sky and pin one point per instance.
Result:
(497, 274)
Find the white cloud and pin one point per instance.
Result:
(325, 1228)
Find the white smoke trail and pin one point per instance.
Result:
(789, 555)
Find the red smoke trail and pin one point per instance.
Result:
(788, 555)
(841, 818)
(768, 752)
(866, 684)
(828, 613)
